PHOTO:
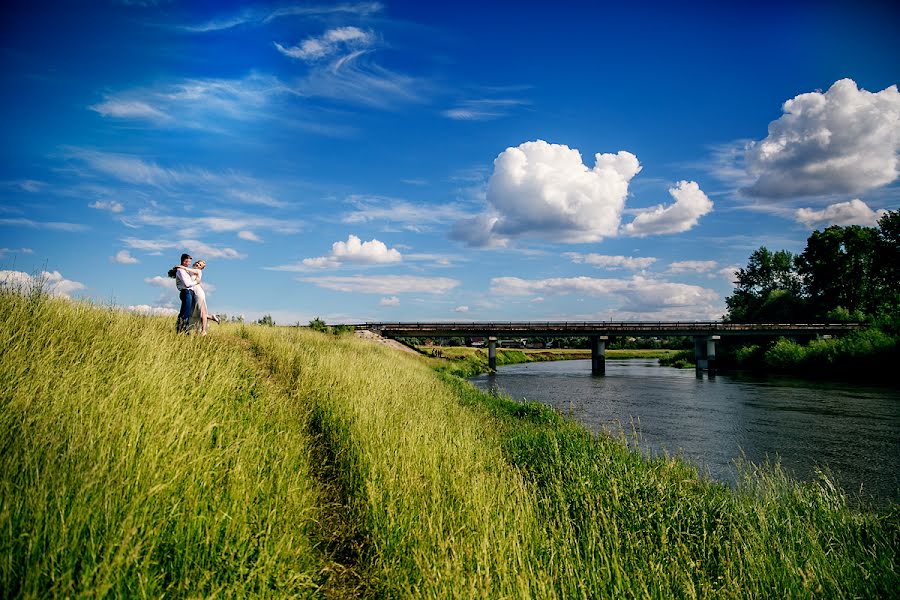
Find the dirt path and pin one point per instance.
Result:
(374, 337)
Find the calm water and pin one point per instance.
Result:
(852, 430)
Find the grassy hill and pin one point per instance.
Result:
(263, 461)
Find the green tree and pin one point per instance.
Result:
(266, 320)
(838, 270)
(887, 262)
(768, 289)
(318, 324)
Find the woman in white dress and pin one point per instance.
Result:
(200, 314)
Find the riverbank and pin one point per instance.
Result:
(261, 461)
(464, 361)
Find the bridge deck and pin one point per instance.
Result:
(609, 328)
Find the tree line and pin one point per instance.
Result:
(849, 273)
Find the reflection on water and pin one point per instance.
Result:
(852, 431)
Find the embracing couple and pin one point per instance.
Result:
(193, 311)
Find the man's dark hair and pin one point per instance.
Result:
(185, 256)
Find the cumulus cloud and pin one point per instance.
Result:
(354, 250)
(111, 205)
(545, 190)
(611, 262)
(730, 273)
(328, 44)
(845, 140)
(385, 284)
(638, 295)
(855, 212)
(166, 283)
(461, 309)
(690, 204)
(694, 266)
(390, 301)
(123, 257)
(51, 282)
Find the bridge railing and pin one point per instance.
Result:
(621, 327)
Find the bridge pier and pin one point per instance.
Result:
(705, 354)
(598, 354)
(492, 354)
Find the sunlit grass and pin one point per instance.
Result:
(138, 463)
(285, 462)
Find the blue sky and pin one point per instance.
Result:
(365, 161)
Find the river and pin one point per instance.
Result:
(851, 430)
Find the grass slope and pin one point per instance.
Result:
(283, 462)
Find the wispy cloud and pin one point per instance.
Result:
(410, 216)
(256, 17)
(51, 225)
(333, 41)
(225, 222)
(384, 284)
(611, 262)
(483, 109)
(197, 103)
(196, 247)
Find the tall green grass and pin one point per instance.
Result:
(137, 463)
(276, 461)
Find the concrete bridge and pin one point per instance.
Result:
(705, 333)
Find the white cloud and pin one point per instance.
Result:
(410, 216)
(146, 309)
(391, 301)
(545, 190)
(249, 236)
(5, 251)
(166, 283)
(196, 248)
(51, 282)
(123, 257)
(50, 225)
(371, 252)
(199, 103)
(482, 110)
(729, 273)
(638, 295)
(695, 266)
(611, 262)
(690, 204)
(261, 17)
(121, 108)
(256, 197)
(355, 79)
(354, 250)
(845, 140)
(461, 309)
(329, 43)
(200, 250)
(227, 222)
(154, 246)
(111, 205)
(855, 212)
(385, 284)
